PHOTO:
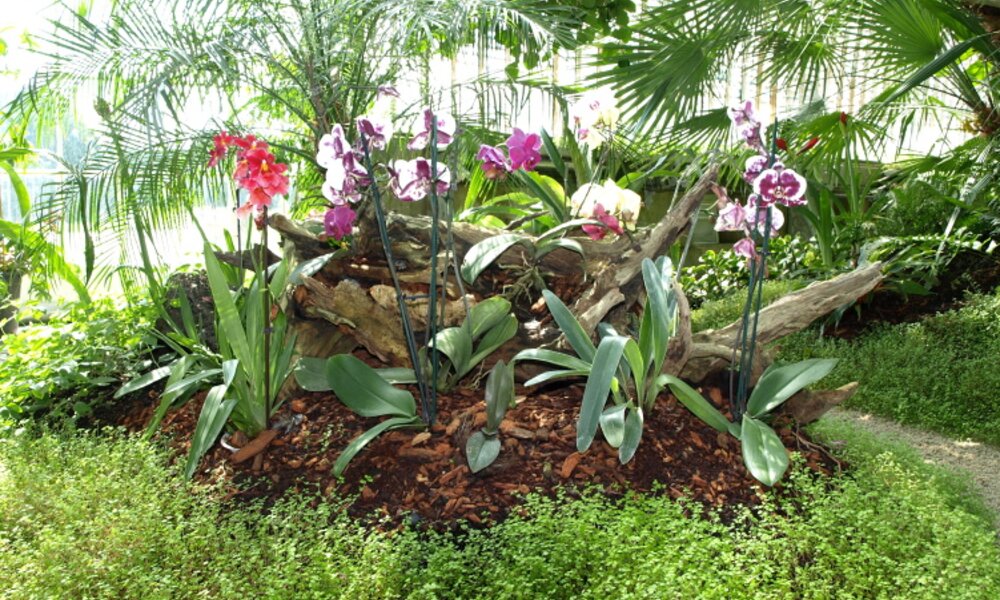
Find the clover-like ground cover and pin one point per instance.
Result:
(91, 515)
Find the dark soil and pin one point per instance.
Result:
(420, 476)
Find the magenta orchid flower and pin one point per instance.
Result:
(339, 221)
(445, 130)
(597, 232)
(780, 185)
(495, 164)
(743, 115)
(524, 150)
(411, 179)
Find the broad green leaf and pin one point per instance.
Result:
(177, 371)
(397, 375)
(358, 443)
(456, 344)
(633, 435)
(548, 191)
(552, 357)
(362, 390)
(486, 252)
(697, 404)
(142, 381)
(493, 339)
(567, 226)
(487, 314)
(778, 384)
(556, 375)
(481, 450)
(763, 453)
(613, 425)
(595, 395)
(310, 374)
(571, 328)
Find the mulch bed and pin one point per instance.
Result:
(421, 476)
(969, 272)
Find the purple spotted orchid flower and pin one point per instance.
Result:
(411, 179)
(377, 131)
(780, 185)
(445, 130)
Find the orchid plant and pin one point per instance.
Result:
(774, 185)
(595, 208)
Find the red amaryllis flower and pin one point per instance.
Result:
(781, 143)
(809, 145)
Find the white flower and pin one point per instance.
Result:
(595, 115)
(624, 204)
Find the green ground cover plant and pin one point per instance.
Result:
(74, 363)
(939, 373)
(103, 516)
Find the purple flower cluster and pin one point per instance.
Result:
(410, 180)
(772, 184)
(523, 149)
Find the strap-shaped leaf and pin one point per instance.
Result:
(613, 425)
(697, 404)
(397, 375)
(548, 376)
(362, 390)
(358, 443)
(571, 328)
(499, 394)
(552, 357)
(312, 266)
(633, 435)
(20, 190)
(142, 381)
(778, 384)
(229, 318)
(483, 254)
(214, 414)
(481, 450)
(637, 366)
(553, 153)
(595, 395)
(763, 453)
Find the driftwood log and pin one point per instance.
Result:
(351, 300)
